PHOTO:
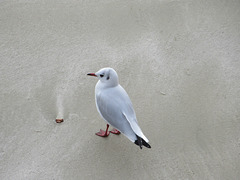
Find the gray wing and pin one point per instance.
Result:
(116, 108)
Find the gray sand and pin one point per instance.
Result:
(178, 61)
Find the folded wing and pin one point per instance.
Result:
(116, 108)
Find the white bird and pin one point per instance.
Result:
(115, 107)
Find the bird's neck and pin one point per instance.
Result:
(102, 85)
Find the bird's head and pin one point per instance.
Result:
(107, 76)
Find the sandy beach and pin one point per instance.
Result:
(178, 61)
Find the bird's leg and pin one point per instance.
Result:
(103, 133)
(115, 131)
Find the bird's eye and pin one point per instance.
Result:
(101, 75)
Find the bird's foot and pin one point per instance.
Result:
(115, 131)
(102, 133)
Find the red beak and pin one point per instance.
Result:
(91, 74)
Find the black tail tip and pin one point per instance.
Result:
(142, 142)
(146, 144)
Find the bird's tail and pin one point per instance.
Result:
(140, 141)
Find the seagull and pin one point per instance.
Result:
(115, 107)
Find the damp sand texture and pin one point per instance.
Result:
(177, 60)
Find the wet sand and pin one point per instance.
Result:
(178, 61)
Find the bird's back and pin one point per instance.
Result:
(116, 108)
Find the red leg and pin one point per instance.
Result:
(103, 133)
(115, 131)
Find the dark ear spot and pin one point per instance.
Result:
(108, 78)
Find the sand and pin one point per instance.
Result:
(178, 61)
